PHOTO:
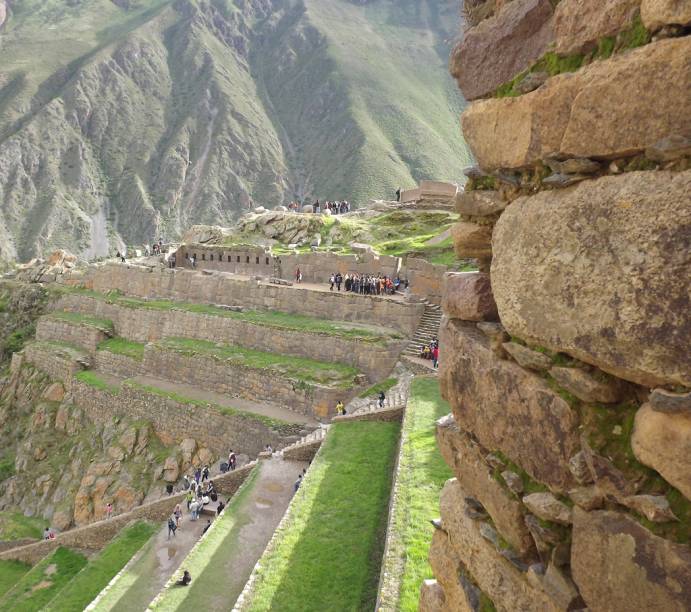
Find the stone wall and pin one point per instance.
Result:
(116, 364)
(234, 380)
(83, 336)
(220, 288)
(58, 364)
(95, 536)
(175, 420)
(565, 359)
(375, 359)
(426, 279)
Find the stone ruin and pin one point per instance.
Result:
(566, 360)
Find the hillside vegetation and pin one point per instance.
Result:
(130, 119)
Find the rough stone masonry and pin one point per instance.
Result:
(566, 359)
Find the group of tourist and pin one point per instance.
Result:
(335, 208)
(368, 284)
(431, 351)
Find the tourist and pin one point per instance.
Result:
(435, 356)
(193, 260)
(206, 527)
(382, 397)
(186, 483)
(205, 473)
(268, 449)
(220, 508)
(232, 459)
(172, 527)
(197, 475)
(332, 280)
(46, 533)
(172, 260)
(177, 513)
(185, 580)
(398, 194)
(298, 275)
(189, 497)
(109, 510)
(340, 408)
(298, 482)
(194, 509)
(339, 280)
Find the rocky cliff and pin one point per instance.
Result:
(123, 121)
(565, 360)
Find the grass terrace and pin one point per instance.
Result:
(208, 561)
(38, 586)
(421, 476)
(83, 319)
(120, 346)
(327, 555)
(11, 573)
(97, 380)
(300, 368)
(274, 319)
(88, 583)
(62, 349)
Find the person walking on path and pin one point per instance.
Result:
(205, 473)
(339, 280)
(435, 356)
(190, 497)
(298, 482)
(206, 527)
(382, 397)
(332, 281)
(194, 509)
(109, 510)
(298, 275)
(197, 475)
(340, 408)
(232, 459)
(177, 513)
(171, 526)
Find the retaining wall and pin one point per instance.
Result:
(222, 288)
(426, 279)
(83, 336)
(176, 420)
(96, 535)
(116, 364)
(235, 380)
(375, 359)
(52, 362)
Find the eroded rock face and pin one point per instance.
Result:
(553, 280)
(658, 13)
(472, 240)
(578, 24)
(573, 114)
(468, 296)
(465, 458)
(619, 565)
(500, 47)
(663, 442)
(506, 407)
(447, 568)
(480, 203)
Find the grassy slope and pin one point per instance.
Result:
(37, 587)
(207, 560)
(328, 554)
(120, 346)
(422, 474)
(10, 573)
(15, 526)
(97, 574)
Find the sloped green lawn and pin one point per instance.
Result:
(328, 554)
(10, 573)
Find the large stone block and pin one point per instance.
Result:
(506, 407)
(472, 240)
(663, 442)
(595, 271)
(578, 24)
(468, 296)
(608, 109)
(480, 203)
(505, 585)
(658, 13)
(465, 458)
(448, 569)
(620, 566)
(500, 47)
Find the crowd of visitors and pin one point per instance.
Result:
(335, 208)
(431, 351)
(368, 284)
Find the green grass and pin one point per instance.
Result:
(16, 526)
(384, 385)
(38, 586)
(11, 573)
(422, 473)
(207, 561)
(96, 380)
(328, 555)
(120, 346)
(89, 582)
(62, 349)
(298, 368)
(83, 319)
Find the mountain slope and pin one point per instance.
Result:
(129, 119)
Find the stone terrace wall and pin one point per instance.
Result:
(235, 380)
(375, 359)
(116, 364)
(51, 361)
(96, 535)
(83, 336)
(219, 288)
(175, 420)
(573, 478)
(426, 279)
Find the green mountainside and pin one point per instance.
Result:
(123, 120)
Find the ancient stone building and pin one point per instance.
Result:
(566, 359)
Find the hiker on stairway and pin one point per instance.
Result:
(382, 397)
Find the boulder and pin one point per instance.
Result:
(513, 481)
(468, 296)
(496, 50)
(663, 442)
(578, 466)
(465, 458)
(459, 594)
(503, 583)
(548, 508)
(579, 24)
(588, 498)
(171, 470)
(666, 401)
(653, 507)
(54, 393)
(624, 266)
(613, 108)
(472, 240)
(308, 208)
(202, 234)
(527, 358)
(506, 407)
(431, 597)
(619, 565)
(608, 478)
(479, 203)
(557, 585)
(658, 13)
(587, 387)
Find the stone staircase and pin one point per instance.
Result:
(428, 329)
(396, 397)
(305, 448)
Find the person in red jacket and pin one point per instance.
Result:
(435, 356)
